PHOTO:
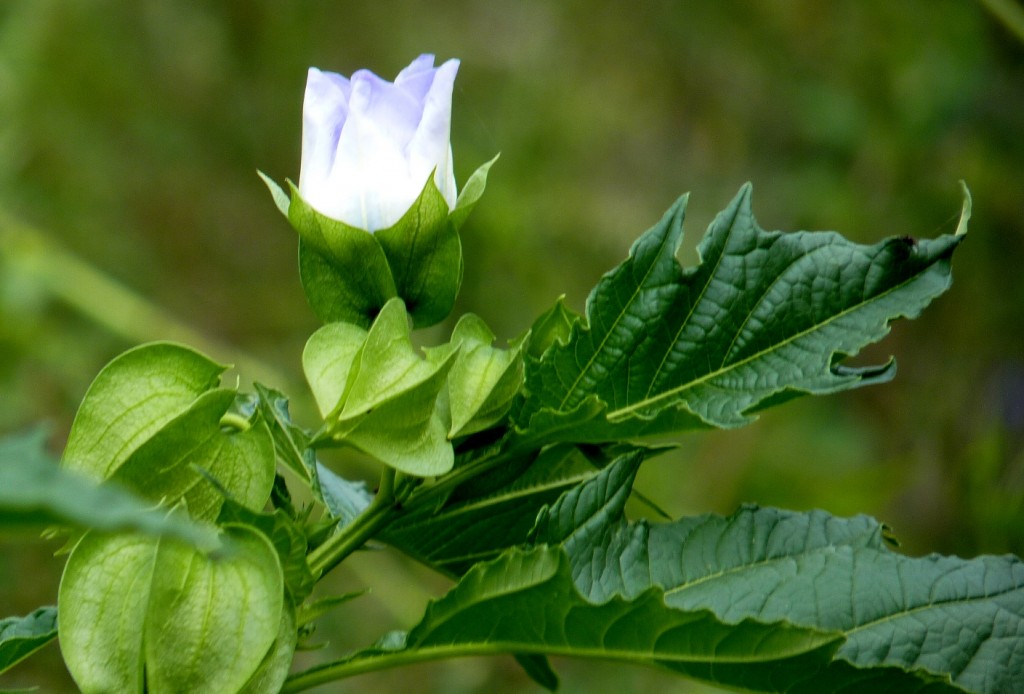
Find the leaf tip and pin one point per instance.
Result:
(965, 209)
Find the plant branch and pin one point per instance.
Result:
(354, 535)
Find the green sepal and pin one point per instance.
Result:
(484, 379)
(344, 271)
(425, 254)
(471, 193)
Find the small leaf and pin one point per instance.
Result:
(132, 608)
(343, 498)
(291, 442)
(554, 326)
(20, 637)
(35, 494)
(131, 399)
(764, 317)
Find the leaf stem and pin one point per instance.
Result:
(354, 535)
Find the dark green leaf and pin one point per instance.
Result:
(909, 621)
(764, 316)
(20, 637)
(526, 602)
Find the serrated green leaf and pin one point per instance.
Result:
(241, 462)
(907, 622)
(482, 519)
(471, 193)
(35, 494)
(764, 316)
(484, 379)
(327, 362)
(526, 602)
(131, 399)
(424, 252)
(135, 610)
(344, 271)
(20, 637)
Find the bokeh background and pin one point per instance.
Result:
(130, 210)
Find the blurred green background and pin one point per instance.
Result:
(131, 131)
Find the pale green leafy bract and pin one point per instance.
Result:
(387, 394)
(131, 399)
(765, 316)
(484, 379)
(137, 612)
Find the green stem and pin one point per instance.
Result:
(235, 421)
(353, 536)
(331, 672)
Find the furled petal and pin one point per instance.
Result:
(370, 145)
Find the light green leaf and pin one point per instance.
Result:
(389, 409)
(20, 637)
(242, 462)
(484, 379)
(906, 621)
(327, 361)
(764, 317)
(35, 494)
(470, 194)
(134, 609)
(526, 602)
(425, 255)
(344, 271)
(131, 399)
